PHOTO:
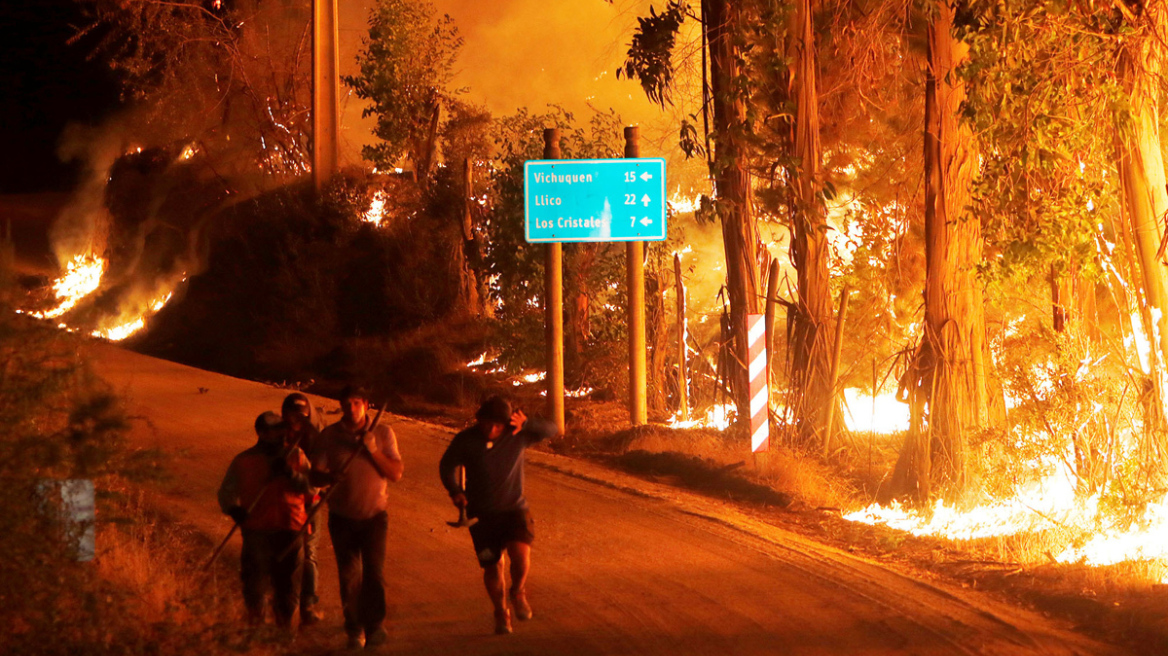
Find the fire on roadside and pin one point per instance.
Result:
(82, 277)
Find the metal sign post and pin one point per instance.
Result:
(635, 262)
(553, 291)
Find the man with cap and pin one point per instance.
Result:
(491, 452)
(357, 521)
(264, 492)
(304, 426)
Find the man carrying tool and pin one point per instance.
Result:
(264, 492)
(304, 431)
(491, 453)
(358, 523)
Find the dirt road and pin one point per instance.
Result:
(621, 566)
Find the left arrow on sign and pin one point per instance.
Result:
(646, 176)
(646, 221)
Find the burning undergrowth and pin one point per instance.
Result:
(127, 240)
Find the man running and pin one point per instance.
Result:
(304, 432)
(358, 522)
(491, 452)
(264, 491)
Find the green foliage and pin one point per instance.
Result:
(650, 56)
(1039, 90)
(406, 65)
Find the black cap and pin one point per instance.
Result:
(494, 410)
(354, 392)
(268, 421)
(296, 402)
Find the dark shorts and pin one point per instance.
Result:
(494, 531)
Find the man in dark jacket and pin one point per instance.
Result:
(264, 491)
(491, 452)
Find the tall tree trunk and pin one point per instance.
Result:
(468, 257)
(723, 25)
(951, 361)
(811, 355)
(1141, 173)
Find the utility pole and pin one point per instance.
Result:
(553, 303)
(325, 92)
(635, 256)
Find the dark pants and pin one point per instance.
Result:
(260, 570)
(360, 549)
(308, 596)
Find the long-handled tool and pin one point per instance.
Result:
(462, 518)
(251, 507)
(332, 488)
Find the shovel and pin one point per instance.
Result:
(463, 520)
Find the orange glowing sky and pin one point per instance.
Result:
(531, 53)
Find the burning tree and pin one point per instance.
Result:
(232, 76)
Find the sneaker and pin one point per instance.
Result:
(522, 608)
(356, 641)
(310, 616)
(503, 623)
(377, 638)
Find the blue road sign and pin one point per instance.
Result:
(594, 200)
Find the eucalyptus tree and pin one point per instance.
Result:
(781, 62)
(406, 67)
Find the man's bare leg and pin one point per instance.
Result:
(520, 556)
(496, 584)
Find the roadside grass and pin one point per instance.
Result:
(144, 592)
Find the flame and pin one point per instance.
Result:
(376, 212)
(718, 417)
(120, 332)
(529, 378)
(82, 278)
(681, 205)
(882, 414)
(1050, 503)
(132, 322)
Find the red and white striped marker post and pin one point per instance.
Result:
(759, 391)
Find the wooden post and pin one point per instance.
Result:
(635, 262)
(839, 343)
(682, 369)
(553, 291)
(772, 302)
(325, 92)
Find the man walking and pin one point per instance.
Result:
(491, 452)
(358, 523)
(304, 432)
(264, 491)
